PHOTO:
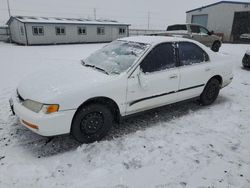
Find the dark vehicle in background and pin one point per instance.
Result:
(245, 37)
(246, 60)
(195, 32)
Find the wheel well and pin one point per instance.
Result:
(219, 78)
(106, 102)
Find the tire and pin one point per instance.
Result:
(211, 92)
(91, 123)
(216, 46)
(246, 61)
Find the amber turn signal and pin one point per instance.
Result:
(51, 108)
(30, 125)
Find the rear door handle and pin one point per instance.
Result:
(207, 69)
(174, 76)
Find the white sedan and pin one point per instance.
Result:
(125, 77)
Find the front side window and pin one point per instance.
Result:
(117, 56)
(60, 31)
(100, 31)
(82, 31)
(122, 31)
(190, 53)
(204, 31)
(162, 57)
(37, 30)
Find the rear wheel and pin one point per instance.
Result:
(216, 46)
(211, 92)
(91, 123)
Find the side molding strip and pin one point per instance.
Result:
(164, 94)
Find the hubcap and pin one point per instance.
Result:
(92, 123)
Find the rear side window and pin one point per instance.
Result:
(176, 27)
(162, 57)
(190, 53)
(195, 29)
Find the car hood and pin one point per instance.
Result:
(49, 86)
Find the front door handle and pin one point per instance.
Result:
(174, 76)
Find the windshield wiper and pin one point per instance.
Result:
(93, 66)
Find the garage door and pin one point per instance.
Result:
(200, 19)
(241, 25)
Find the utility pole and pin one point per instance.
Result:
(8, 3)
(95, 13)
(148, 20)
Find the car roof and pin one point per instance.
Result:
(187, 24)
(153, 40)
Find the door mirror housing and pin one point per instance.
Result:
(211, 33)
(140, 78)
(139, 73)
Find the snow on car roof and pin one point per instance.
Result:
(155, 39)
(33, 19)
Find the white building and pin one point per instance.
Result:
(42, 30)
(229, 18)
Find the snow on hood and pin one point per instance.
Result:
(47, 85)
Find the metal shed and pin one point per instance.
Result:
(231, 19)
(4, 33)
(29, 30)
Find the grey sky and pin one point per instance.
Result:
(135, 12)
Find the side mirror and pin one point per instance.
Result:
(139, 76)
(211, 32)
(141, 79)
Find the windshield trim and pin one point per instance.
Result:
(94, 67)
(133, 67)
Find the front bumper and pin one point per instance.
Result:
(43, 124)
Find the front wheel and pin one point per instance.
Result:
(91, 123)
(210, 93)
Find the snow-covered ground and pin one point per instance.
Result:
(183, 145)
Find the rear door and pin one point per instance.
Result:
(155, 82)
(195, 70)
(195, 31)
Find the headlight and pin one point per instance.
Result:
(39, 107)
(33, 105)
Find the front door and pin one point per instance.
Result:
(206, 37)
(155, 81)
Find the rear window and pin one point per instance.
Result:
(176, 27)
